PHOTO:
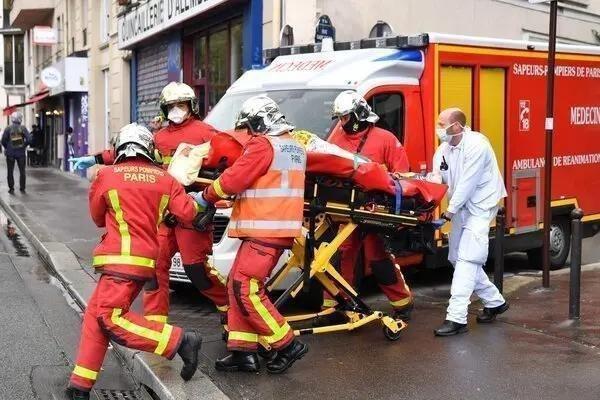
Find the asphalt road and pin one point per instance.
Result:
(40, 329)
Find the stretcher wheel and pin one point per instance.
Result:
(390, 335)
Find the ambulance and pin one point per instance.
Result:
(499, 84)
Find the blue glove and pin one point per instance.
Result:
(438, 223)
(199, 198)
(82, 163)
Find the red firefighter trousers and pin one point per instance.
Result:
(194, 247)
(388, 275)
(107, 316)
(251, 317)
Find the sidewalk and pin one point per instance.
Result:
(531, 353)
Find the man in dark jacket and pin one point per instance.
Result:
(15, 140)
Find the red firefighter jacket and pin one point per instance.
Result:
(191, 131)
(380, 146)
(129, 199)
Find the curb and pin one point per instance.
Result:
(62, 255)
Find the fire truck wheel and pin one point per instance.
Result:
(560, 244)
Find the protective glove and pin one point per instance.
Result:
(82, 163)
(438, 223)
(204, 220)
(199, 198)
(170, 220)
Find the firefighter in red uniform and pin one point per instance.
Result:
(358, 134)
(129, 200)
(178, 104)
(268, 181)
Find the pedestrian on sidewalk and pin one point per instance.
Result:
(129, 199)
(267, 215)
(15, 140)
(465, 161)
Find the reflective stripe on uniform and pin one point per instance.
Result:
(219, 189)
(162, 338)
(243, 336)
(123, 228)
(156, 318)
(126, 260)
(401, 303)
(281, 192)
(164, 202)
(222, 308)
(85, 373)
(328, 303)
(279, 332)
(265, 224)
(166, 160)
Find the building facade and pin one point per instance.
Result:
(206, 44)
(12, 64)
(55, 75)
(109, 75)
(578, 21)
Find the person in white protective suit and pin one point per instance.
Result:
(465, 161)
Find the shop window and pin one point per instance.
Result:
(199, 64)
(14, 66)
(218, 79)
(287, 36)
(390, 109)
(381, 29)
(236, 52)
(214, 62)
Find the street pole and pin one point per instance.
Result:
(549, 124)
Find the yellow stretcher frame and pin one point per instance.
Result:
(321, 270)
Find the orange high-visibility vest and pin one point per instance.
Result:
(273, 205)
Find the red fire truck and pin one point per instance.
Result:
(501, 86)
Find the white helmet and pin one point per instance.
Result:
(134, 140)
(176, 92)
(16, 117)
(261, 115)
(350, 102)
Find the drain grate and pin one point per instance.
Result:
(104, 394)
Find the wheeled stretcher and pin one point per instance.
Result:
(342, 196)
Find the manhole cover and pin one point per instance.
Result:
(105, 394)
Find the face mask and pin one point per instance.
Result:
(177, 115)
(354, 126)
(442, 133)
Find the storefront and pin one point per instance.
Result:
(207, 44)
(65, 106)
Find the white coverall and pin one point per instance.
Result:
(475, 187)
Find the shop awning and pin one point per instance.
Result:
(33, 99)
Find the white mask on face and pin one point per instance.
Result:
(177, 115)
(442, 133)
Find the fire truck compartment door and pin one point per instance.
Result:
(526, 200)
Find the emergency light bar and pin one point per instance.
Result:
(396, 42)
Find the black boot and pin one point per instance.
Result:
(76, 394)
(450, 328)
(188, 351)
(238, 361)
(489, 314)
(287, 356)
(404, 313)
